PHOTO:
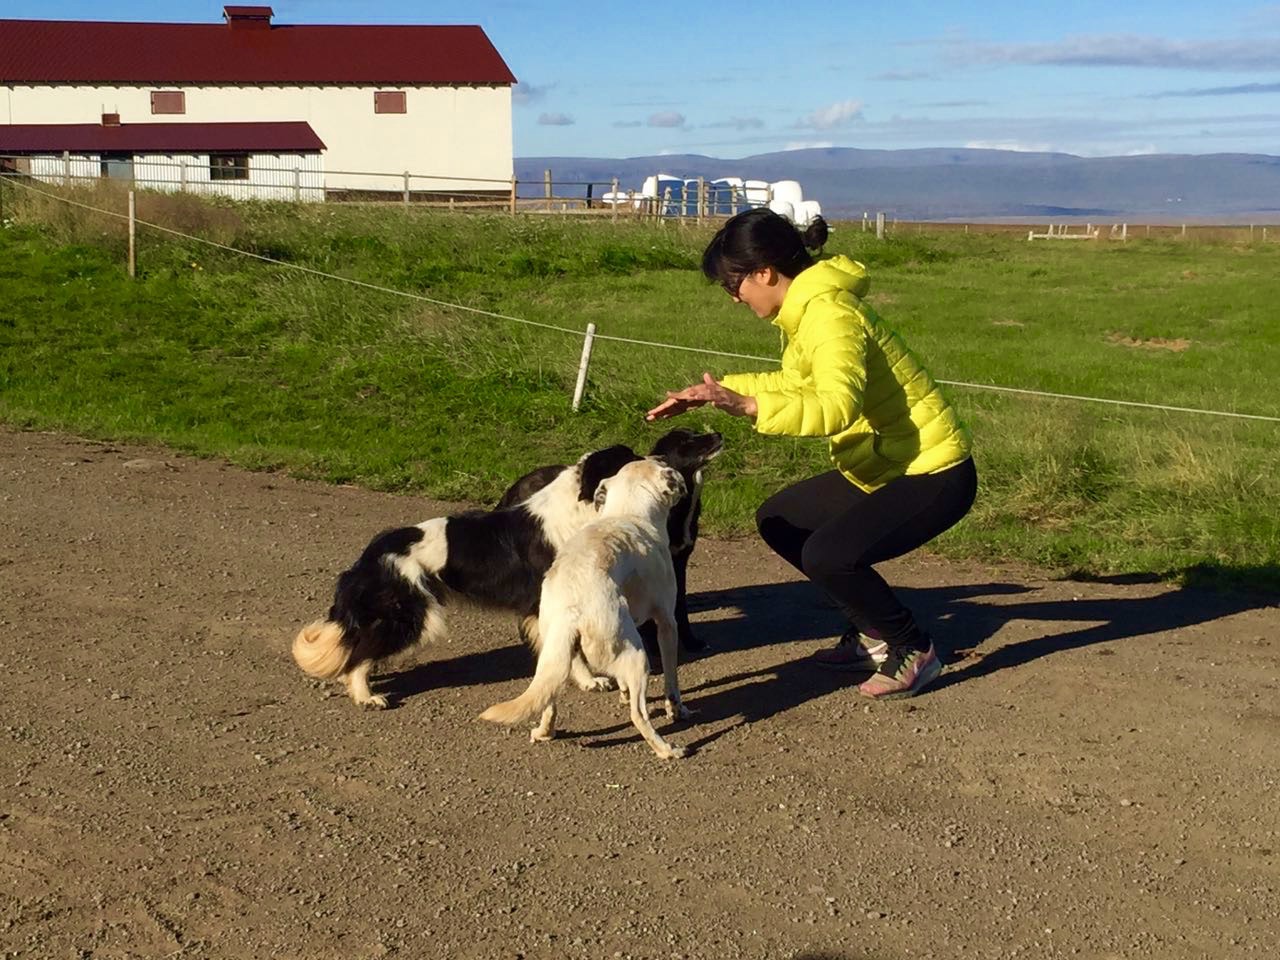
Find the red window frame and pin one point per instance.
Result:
(390, 101)
(168, 101)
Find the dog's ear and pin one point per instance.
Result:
(602, 491)
(596, 466)
(674, 485)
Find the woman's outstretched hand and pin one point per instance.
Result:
(698, 394)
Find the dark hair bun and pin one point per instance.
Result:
(815, 235)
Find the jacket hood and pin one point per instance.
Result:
(838, 274)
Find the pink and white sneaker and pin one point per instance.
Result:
(903, 674)
(855, 652)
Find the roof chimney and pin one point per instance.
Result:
(247, 18)
(111, 119)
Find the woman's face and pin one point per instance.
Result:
(762, 291)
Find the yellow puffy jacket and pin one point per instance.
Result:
(847, 376)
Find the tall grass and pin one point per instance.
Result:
(217, 354)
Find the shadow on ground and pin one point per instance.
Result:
(962, 619)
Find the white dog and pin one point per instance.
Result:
(612, 574)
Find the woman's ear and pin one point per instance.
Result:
(767, 276)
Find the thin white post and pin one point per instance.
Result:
(133, 234)
(582, 366)
(513, 194)
(182, 173)
(879, 226)
(406, 188)
(615, 199)
(546, 186)
(297, 185)
(66, 168)
(1184, 229)
(864, 221)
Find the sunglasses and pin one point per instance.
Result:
(733, 285)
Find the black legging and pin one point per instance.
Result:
(833, 532)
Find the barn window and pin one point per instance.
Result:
(389, 101)
(228, 166)
(168, 101)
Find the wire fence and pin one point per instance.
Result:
(302, 177)
(591, 334)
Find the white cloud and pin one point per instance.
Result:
(808, 145)
(901, 76)
(555, 120)
(1127, 50)
(1015, 145)
(524, 93)
(833, 115)
(737, 123)
(667, 118)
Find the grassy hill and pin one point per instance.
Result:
(221, 355)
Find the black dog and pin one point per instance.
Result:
(688, 453)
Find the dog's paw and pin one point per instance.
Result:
(674, 753)
(596, 684)
(376, 701)
(541, 735)
(676, 710)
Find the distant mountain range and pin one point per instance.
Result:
(967, 184)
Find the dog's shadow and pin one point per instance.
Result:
(512, 662)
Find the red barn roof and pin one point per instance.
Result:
(282, 137)
(246, 49)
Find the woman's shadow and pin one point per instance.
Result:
(959, 618)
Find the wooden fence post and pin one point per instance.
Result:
(133, 234)
(66, 168)
(615, 199)
(879, 226)
(546, 186)
(182, 175)
(297, 185)
(513, 194)
(582, 366)
(406, 188)
(702, 199)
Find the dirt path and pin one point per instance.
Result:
(1098, 778)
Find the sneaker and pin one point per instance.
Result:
(855, 651)
(903, 674)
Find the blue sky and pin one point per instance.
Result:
(734, 79)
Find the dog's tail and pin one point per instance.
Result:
(554, 660)
(386, 602)
(320, 650)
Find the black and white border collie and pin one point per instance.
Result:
(688, 452)
(394, 593)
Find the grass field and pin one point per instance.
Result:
(216, 354)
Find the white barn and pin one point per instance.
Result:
(270, 110)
